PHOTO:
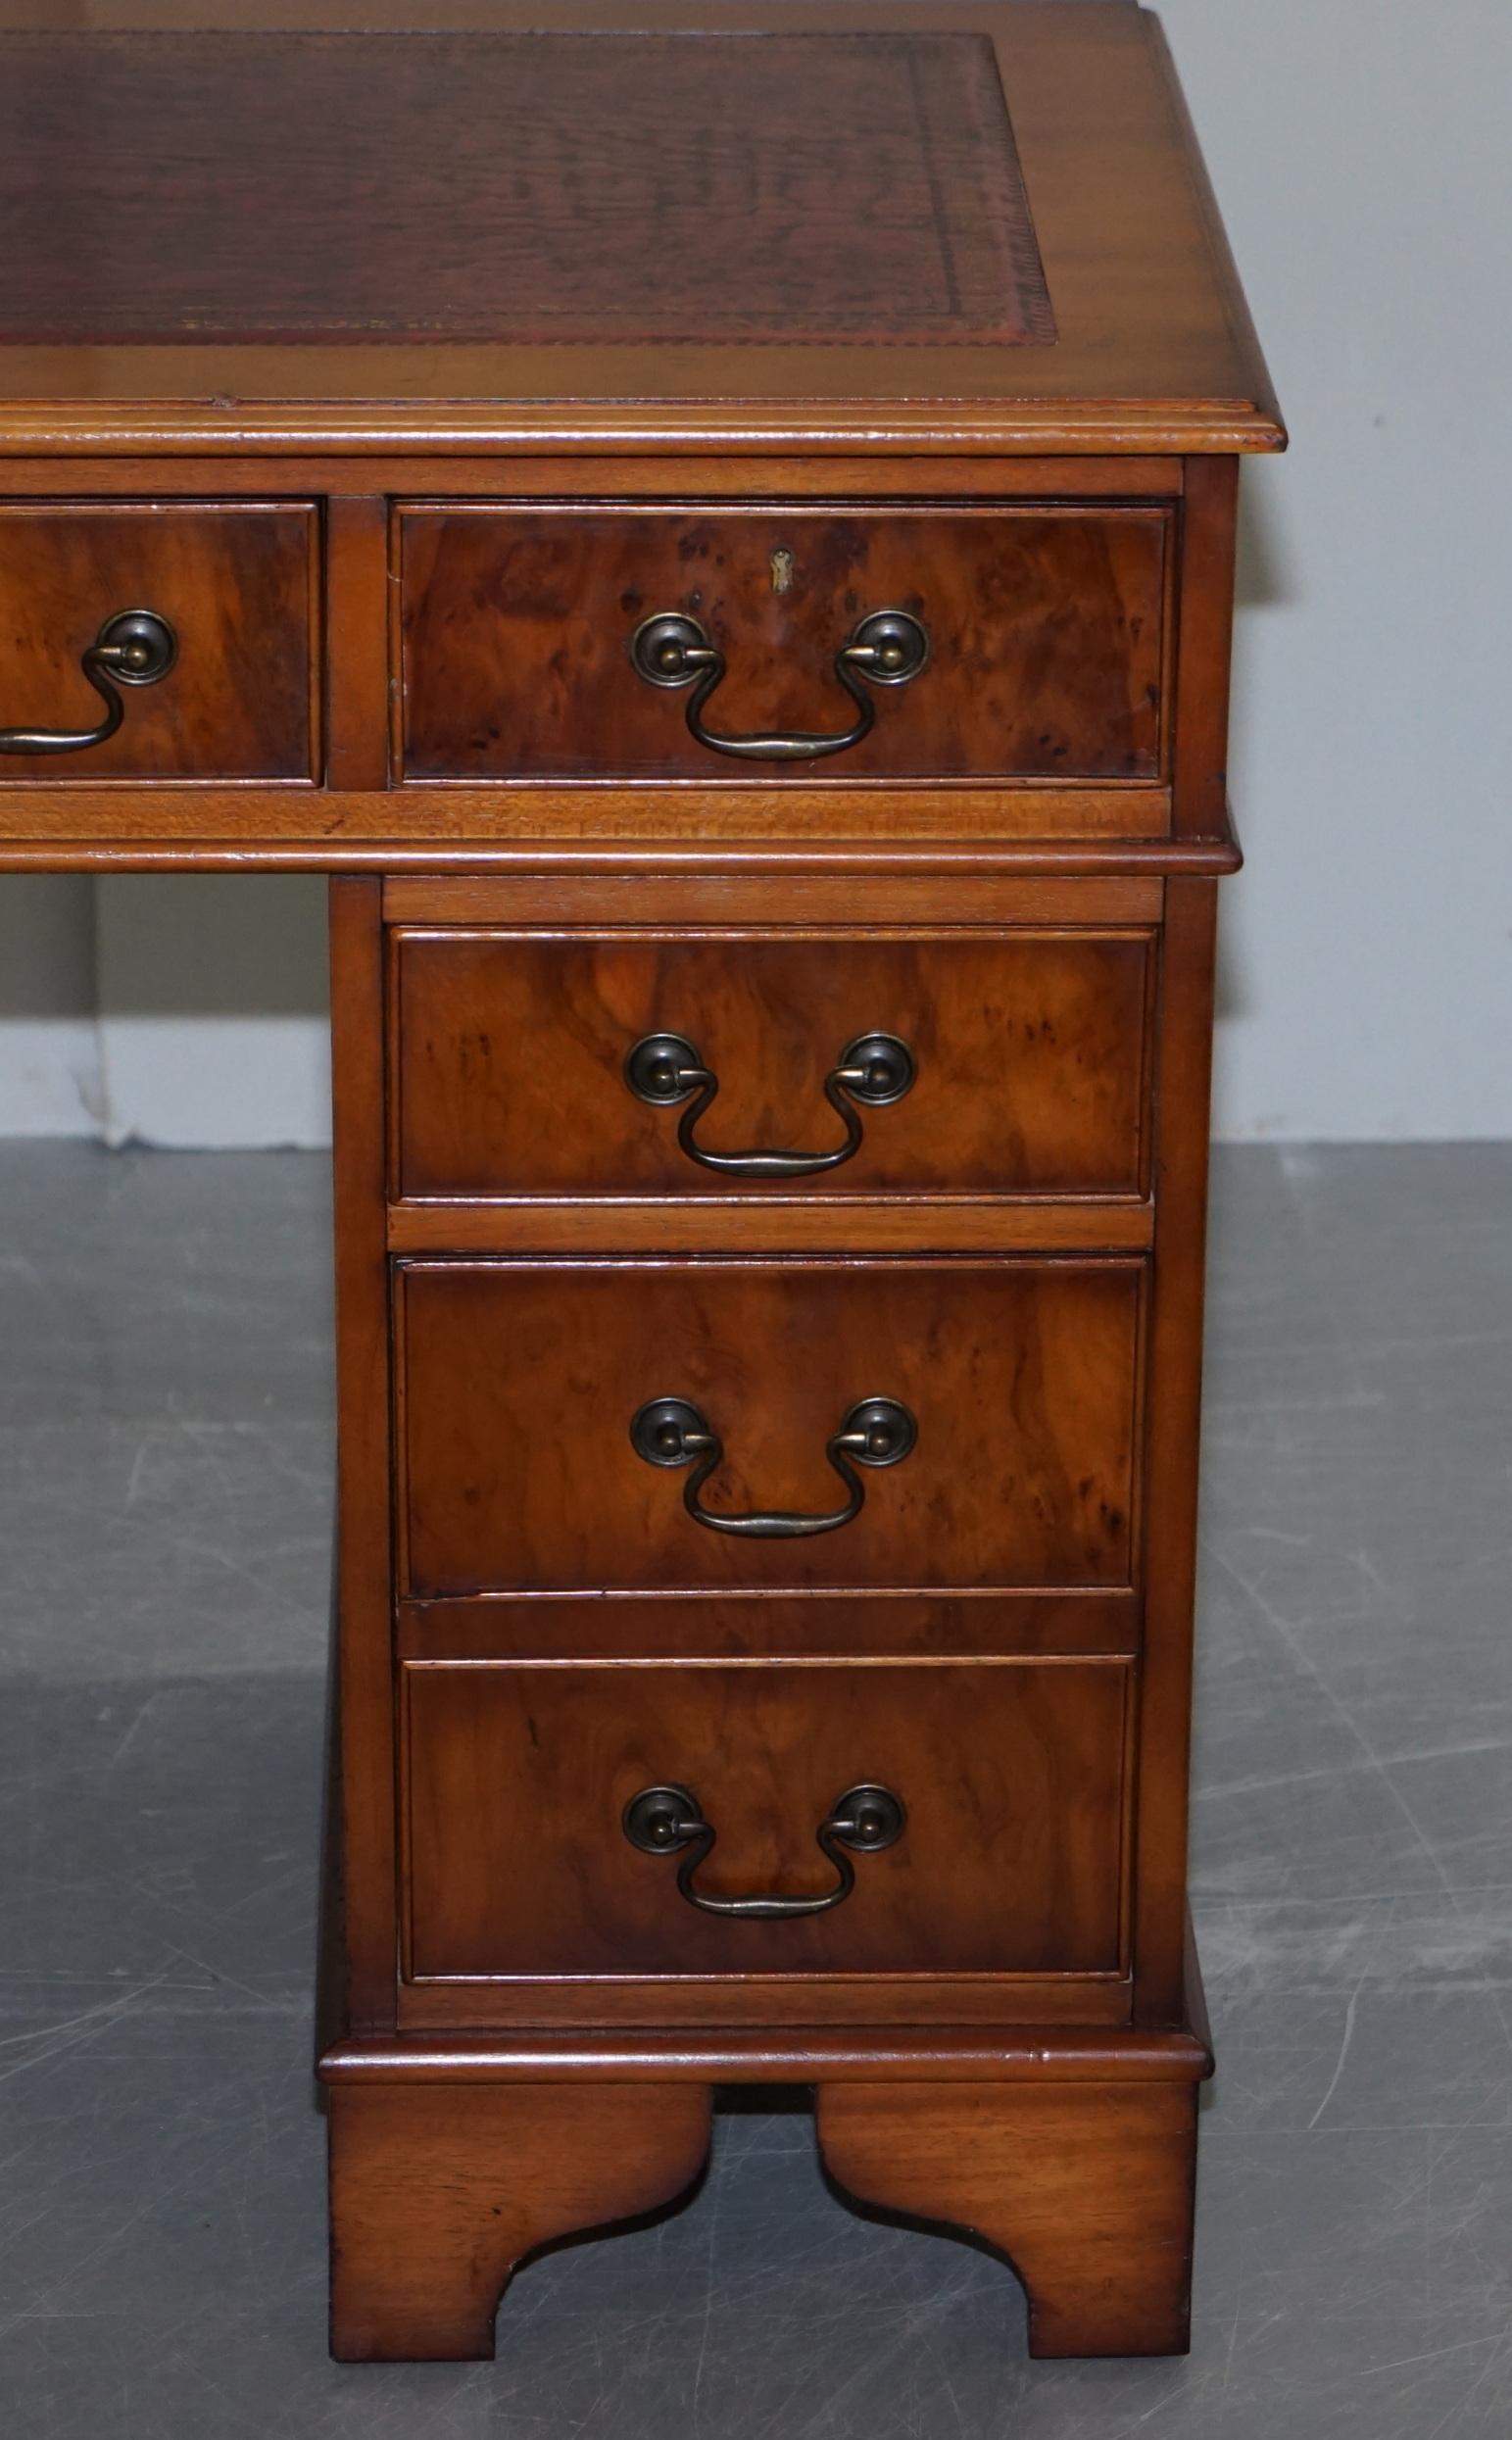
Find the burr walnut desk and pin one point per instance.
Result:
(716, 531)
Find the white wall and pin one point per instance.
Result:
(1362, 150)
(49, 1049)
(164, 1009)
(214, 1010)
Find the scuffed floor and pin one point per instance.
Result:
(165, 1493)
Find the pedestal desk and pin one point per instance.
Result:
(716, 528)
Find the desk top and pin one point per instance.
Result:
(947, 225)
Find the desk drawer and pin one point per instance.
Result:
(523, 1468)
(518, 1065)
(234, 591)
(1003, 1855)
(1042, 632)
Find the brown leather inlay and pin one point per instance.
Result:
(512, 187)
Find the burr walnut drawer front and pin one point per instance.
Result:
(1006, 1064)
(1007, 643)
(158, 641)
(719, 1425)
(764, 1820)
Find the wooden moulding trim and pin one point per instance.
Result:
(810, 904)
(874, 2053)
(1173, 1393)
(785, 1224)
(513, 812)
(636, 1632)
(707, 2007)
(367, 1841)
(613, 482)
(1235, 303)
(1111, 427)
(924, 858)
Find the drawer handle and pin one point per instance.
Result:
(670, 1821)
(665, 1068)
(672, 1432)
(888, 648)
(136, 647)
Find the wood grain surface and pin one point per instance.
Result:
(813, 1625)
(1174, 1390)
(1045, 628)
(1086, 2187)
(519, 1381)
(782, 894)
(510, 1052)
(1152, 348)
(437, 2193)
(1010, 1860)
(240, 587)
(880, 2053)
(364, 1537)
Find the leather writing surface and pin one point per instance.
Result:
(512, 187)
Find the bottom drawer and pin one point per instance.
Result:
(1007, 1856)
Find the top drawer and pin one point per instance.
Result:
(223, 685)
(568, 642)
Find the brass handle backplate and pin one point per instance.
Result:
(136, 647)
(673, 1431)
(670, 1821)
(888, 648)
(664, 1069)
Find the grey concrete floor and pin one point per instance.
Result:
(164, 1497)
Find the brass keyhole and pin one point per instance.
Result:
(782, 571)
